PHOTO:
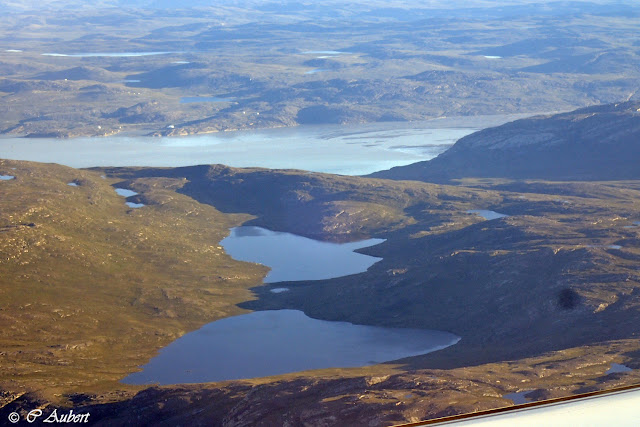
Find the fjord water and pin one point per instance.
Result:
(347, 150)
(275, 342)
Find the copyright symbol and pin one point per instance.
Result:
(14, 417)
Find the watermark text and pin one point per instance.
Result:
(53, 418)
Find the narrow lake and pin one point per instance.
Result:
(293, 257)
(347, 150)
(275, 342)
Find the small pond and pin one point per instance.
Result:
(129, 193)
(488, 215)
(125, 193)
(518, 397)
(617, 368)
(605, 246)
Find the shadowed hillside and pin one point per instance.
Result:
(590, 144)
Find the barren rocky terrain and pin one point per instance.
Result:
(544, 297)
(73, 71)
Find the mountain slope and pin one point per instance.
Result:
(595, 143)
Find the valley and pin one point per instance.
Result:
(267, 212)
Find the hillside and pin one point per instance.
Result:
(545, 299)
(590, 144)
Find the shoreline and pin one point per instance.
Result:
(477, 121)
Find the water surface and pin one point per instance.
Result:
(347, 150)
(324, 52)
(125, 193)
(488, 215)
(193, 99)
(267, 343)
(617, 368)
(317, 70)
(6, 177)
(605, 246)
(107, 54)
(292, 257)
(518, 397)
(128, 193)
(275, 342)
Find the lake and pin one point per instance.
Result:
(347, 150)
(275, 342)
(292, 257)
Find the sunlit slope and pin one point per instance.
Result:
(544, 297)
(90, 288)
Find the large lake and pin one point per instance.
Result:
(267, 343)
(348, 150)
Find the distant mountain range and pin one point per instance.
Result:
(589, 144)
